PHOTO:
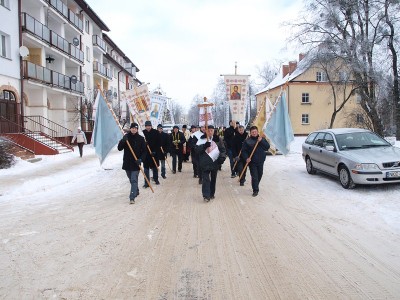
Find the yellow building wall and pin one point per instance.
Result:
(320, 108)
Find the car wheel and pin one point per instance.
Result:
(309, 166)
(345, 178)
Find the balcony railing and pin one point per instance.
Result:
(33, 26)
(49, 77)
(72, 18)
(98, 41)
(101, 69)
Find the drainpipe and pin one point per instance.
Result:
(119, 97)
(21, 65)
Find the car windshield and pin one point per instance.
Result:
(360, 140)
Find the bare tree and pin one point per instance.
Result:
(353, 31)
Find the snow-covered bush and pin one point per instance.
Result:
(6, 158)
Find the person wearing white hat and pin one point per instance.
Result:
(80, 138)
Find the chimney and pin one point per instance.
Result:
(285, 70)
(292, 66)
(301, 56)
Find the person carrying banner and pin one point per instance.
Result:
(177, 139)
(228, 139)
(164, 147)
(129, 163)
(254, 152)
(237, 145)
(211, 154)
(152, 137)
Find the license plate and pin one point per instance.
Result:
(393, 174)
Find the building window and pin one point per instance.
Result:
(358, 98)
(87, 53)
(305, 98)
(321, 77)
(343, 76)
(88, 83)
(305, 119)
(5, 3)
(7, 95)
(4, 44)
(87, 26)
(360, 118)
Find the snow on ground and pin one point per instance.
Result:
(67, 232)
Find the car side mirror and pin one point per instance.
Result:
(330, 148)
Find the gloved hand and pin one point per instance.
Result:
(138, 161)
(236, 158)
(125, 137)
(207, 144)
(153, 154)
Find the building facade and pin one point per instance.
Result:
(66, 57)
(310, 97)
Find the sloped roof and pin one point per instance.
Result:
(302, 66)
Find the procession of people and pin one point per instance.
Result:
(207, 148)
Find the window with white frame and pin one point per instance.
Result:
(358, 98)
(88, 53)
(305, 98)
(321, 77)
(87, 26)
(88, 82)
(4, 45)
(360, 118)
(305, 119)
(5, 3)
(343, 76)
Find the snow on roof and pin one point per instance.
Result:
(302, 66)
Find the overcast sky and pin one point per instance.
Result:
(184, 45)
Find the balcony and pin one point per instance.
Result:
(52, 78)
(40, 31)
(72, 18)
(99, 42)
(102, 70)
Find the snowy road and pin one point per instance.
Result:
(68, 232)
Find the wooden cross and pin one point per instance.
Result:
(205, 105)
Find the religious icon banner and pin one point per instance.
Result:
(138, 101)
(237, 90)
(158, 103)
(205, 114)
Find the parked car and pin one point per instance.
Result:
(355, 156)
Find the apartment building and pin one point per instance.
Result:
(309, 95)
(66, 57)
(10, 96)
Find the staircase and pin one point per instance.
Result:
(38, 135)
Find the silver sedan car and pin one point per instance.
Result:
(355, 156)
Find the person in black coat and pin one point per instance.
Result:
(237, 145)
(164, 147)
(152, 137)
(212, 153)
(256, 162)
(177, 139)
(229, 134)
(192, 144)
(129, 163)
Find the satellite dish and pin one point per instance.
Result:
(74, 79)
(109, 93)
(75, 41)
(23, 51)
(115, 94)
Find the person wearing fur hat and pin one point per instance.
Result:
(212, 153)
(80, 138)
(165, 146)
(177, 139)
(152, 137)
(129, 163)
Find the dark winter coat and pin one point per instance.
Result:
(259, 154)
(178, 136)
(153, 141)
(165, 144)
(139, 147)
(205, 161)
(237, 143)
(228, 137)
